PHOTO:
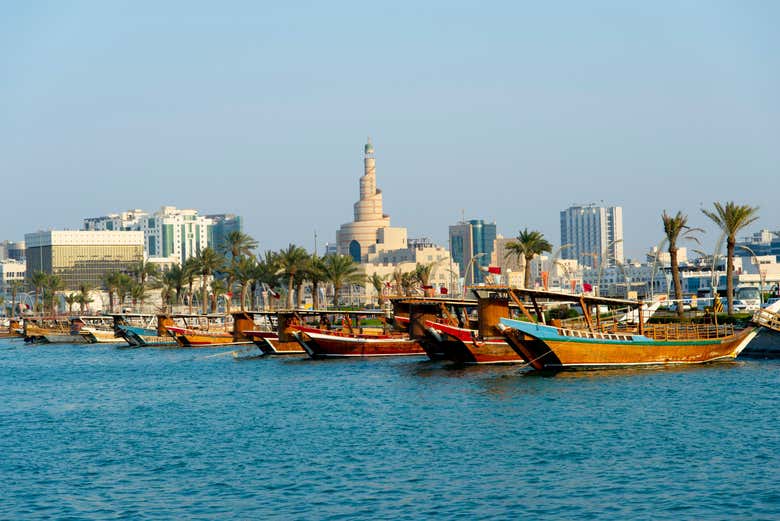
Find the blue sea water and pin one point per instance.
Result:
(100, 433)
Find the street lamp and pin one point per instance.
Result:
(471, 267)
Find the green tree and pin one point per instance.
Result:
(38, 280)
(238, 244)
(244, 271)
(731, 218)
(83, 297)
(207, 262)
(70, 300)
(217, 289)
(15, 286)
(339, 270)
(189, 274)
(173, 282)
(676, 228)
(54, 283)
(290, 261)
(315, 273)
(527, 245)
(378, 282)
(265, 272)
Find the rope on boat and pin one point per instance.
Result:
(535, 359)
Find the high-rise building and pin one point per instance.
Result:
(592, 235)
(83, 256)
(370, 232)
(12, 250)
(171, 235)
(469, 239)
(221, 225)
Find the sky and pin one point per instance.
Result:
(505, 111)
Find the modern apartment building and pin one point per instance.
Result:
(83, 256)
(171, 235)
(594, 235)
(469, 239)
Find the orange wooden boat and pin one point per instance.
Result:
(194, 337)
(555, 348)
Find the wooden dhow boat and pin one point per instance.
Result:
(416, 315)
(348, 342)
(612, 344)
(140, 330)
(52, 330)
(14, 330)
(207, 331)
(483, 344)
(271, 331)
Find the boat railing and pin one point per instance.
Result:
(678, 331)
(767, 319)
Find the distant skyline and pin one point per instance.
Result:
(507, 111)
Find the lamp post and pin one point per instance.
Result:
(471, 267)
(594, 256)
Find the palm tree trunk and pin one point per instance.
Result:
(229, 299)
(299, 295)
(336, 288)
(204, 296)
(244, 289)
(315, 295)
(527, 280)
(730, 245)
(676, 279)
(290, 287)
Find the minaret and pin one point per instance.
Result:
(369, 207)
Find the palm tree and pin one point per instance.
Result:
(16, 286)
(189, 274)
(265, 272)
(422, 273)
(290, 262)
(731, 218)
(54, 283)
(173, 281)
(70, 299)
(378, 282)
(408, 282)
(528, 245)
(218, 288)
(339, 270)
(38, 281)
(315, 272)
(676, 228)
(207, 261)
(244, 272)
(238, 244)
(83, 297)
(125, 285)
(398, 279)
(111, 285)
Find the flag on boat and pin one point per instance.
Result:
(443, 290)
(587, 287)
(495, 270)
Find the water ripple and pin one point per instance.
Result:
(100, 433)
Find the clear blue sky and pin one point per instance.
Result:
(507, 111)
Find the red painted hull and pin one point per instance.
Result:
(319, 344)
(460, 346)
(269, 343)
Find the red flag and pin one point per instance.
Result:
(587, 287)
(443, 290)
(495, 270)
(273, 293)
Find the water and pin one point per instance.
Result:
(100, 433)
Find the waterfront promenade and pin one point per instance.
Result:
(94, 432)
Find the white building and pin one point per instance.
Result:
(595, 234)
(171, 235)
(11, 270)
